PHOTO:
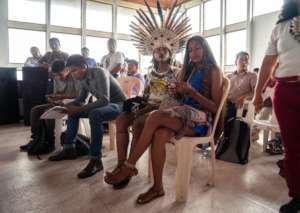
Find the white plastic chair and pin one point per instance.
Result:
(184, 153)
(266, 125)
(127, 83)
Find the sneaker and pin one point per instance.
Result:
(64, 154)
(274, 147)
(292, 207)
(94, 166)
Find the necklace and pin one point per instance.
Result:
(295, 28)
(159, 74)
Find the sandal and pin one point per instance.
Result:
(115, 170)
(108, 176)
(150, 195)
(126, 171)
(122, 184)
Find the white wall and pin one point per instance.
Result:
(3, 33)
(262, 27)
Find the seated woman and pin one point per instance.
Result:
(197, 98)
(156, 90)
(162, 41)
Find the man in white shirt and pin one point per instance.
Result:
(113, 61)
(34, 60)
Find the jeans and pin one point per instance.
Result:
(96, 118)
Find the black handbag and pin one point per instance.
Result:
(235, 143)
(134, 104)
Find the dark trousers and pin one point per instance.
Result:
(287, 109)
(35, 115)
(96, 117)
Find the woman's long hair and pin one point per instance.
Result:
(208, 60)
(289, 11)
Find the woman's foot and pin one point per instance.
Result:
(125, 172)
(150, 195)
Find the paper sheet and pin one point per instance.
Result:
(54, 113)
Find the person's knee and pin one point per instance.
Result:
(155, 116)
(162, 134)
(95, 116)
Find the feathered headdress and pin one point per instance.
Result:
(171, 30)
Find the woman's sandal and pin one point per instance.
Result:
(121, 176)
(121, 185)
(150, 195)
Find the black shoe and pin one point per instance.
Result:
(94, 166)
(292, 207)
(25, 147)
(64, 154)
(122, 184)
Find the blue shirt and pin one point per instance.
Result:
(196, 81)
(91, 62)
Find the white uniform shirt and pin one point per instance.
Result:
(110, 61)
(283, 44)
(31, 62)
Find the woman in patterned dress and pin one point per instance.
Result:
(198, 95)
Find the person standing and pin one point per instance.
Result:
(54, 55)
(114, 60)
(284, 48)
(34, 60)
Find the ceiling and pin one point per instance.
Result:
(164, 3)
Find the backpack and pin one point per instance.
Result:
(82, 143)
(235, 143)
(44, 142)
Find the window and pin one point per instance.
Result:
(146, 62)
(212, 14)
(20, 42)
(266, 6)
(194, 16)
(95, 12)
(97, 47)
(70, 44)
(33, 11)
(235, 42)
(128, 49)
(124, 18)
(214, 44)
(236, 11)
(180, 56)
(66, 13)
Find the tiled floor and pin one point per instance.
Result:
(31, 185)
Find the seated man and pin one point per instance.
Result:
(242, 85)
(100, 84)
(65, 86)
(85, 52)
(133, 71)
(34, 60)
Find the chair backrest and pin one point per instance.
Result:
(225, 87)
(128, 84)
